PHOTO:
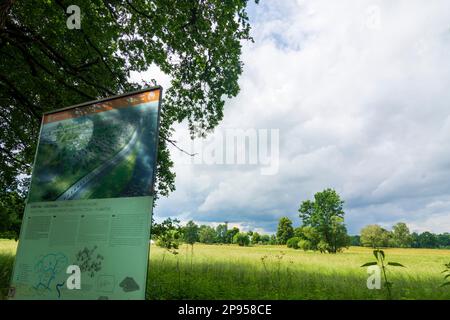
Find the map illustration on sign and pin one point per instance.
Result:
(90, 201)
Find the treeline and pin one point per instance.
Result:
(170, 233)
(323, 229)
(399, 237)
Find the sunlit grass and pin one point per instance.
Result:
(276, 272)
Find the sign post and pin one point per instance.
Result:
(86, 227)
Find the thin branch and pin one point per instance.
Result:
(172, 142)
(16, 93)
(138, 11)
(12, 157)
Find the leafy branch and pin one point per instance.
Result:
(446, 273)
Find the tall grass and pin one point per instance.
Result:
(7, 252)
(276, 272)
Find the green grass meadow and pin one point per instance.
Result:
(277, 272)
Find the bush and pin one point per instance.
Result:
(8, 235)
(241, 239)
(322, 246)
(305, 245)
(293, 242)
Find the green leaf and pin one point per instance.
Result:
(447, 276)
(369, 264)
(395, 264)
(375, 253)
(445, 284)
(382, 253)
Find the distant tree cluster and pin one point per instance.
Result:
(375, 236)
(322, 229)
(169, 234)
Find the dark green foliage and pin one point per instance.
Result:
(44, 66)
(293, 242)
(375, 236)
(190, 233)
(285, 230)
(231, 233)
(326, 215)
(305, 245)
(168, 234)
(256, 238)
(221, 233)
(242, 239)
(265, 239)
(427, 240)
(401, 237)
(207, 234)
(11, 212)
(309, 234)
(273, 240)
(355, 240)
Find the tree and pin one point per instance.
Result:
(430, 240)
(242, 239)
(339, 238)
(273, 240)
(401, 236)
(45, 66)
(11, 212)
(415, 243)
(265, 239)
(206, 234)
(355, 240)
(443, 240)
(168, 235)
(158, 229)
(221, 233)
(374, 236)
(305, 245)
(427, 240)
(256, 238)
(231, 233)
(293, 242)
(311, 235)
(285, 230)
(326, 215)
(191, 233)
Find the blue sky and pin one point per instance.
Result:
(359, 93)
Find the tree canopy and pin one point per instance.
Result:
(285, 230)
(44, 66)
(326, 215)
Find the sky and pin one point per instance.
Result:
(349, 95)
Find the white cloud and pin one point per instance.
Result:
(359, 92)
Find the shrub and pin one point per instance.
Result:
(241, 239)
(293, 242)
(305, 245)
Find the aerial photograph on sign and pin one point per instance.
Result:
(99, 152)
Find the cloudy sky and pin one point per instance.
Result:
(359, 92)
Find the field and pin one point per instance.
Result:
(276, 272)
